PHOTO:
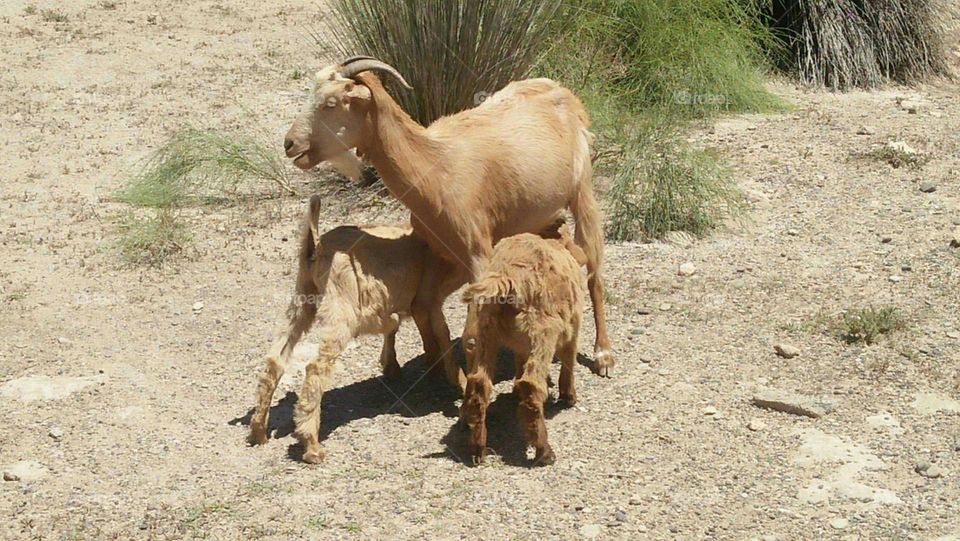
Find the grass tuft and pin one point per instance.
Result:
(152, 240)
(54, 16)
(899, 155)
(453, 52)
(200, 163)
(866, 325)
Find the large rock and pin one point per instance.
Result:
(792, 403)
(26, 471)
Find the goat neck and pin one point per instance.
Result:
(409, 161)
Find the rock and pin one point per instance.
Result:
(31, 388)
(26, 471)
(839, 523)
(865, 130)
(786, 351)
(709, 410)
(620, 515)
(955, 238)
(590, 531)
(956, 445)
(933, 403)
(886, 239)
(793, 232)
(902, 147)
(926, 469)
(55, 432)
(687, 269)
(895, 278)
(666, 307)
(911, 106)
(636, 499)
(928, 187)
(644, 311)
(794, 404)
(756, 425)
(198, 306)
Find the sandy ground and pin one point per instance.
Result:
(124, 407)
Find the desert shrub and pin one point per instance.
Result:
(662, 184)
(866, 325)
(860, 43)
(696, 56)
(198, 163)
(453, 52)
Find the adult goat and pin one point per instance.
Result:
(510, 165)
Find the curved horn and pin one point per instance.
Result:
(350, 69)
(355, 58)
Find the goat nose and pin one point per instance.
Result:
(287, 144)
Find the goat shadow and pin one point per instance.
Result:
(415, 394)
(505, 437)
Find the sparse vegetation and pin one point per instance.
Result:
(867, 325)
(54, 16)
(453, 52)
(30, 9)
(898, 155)
(318, 522)
(297, 74)
(197, 163)
(153, 239)
(108, 4)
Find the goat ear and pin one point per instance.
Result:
(489, 287)
(354, 92)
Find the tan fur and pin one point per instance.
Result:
(529, 299)
(508, 166)
(355, 281)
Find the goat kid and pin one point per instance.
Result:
(529, 300)
(355, 281)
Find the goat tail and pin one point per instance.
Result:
(305, 300)
(589, 231)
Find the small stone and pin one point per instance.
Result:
(786, 351)
(906, 268)
(895, 278)
(620, 515)
(637, 500)
(792, 232)
(756, 425)
(911, 106)
(865, 130)
(644, 311)
(709, 410)
(953, 334)
(839, 523)
(55, 432)
(955, 240)
(956, 445)
(198, 306)
(926, 469)
(886, 240)
(666, 307)
(928, 187)
(591, 531)
(794, 404)
(687, 269)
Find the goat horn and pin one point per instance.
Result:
(360, 64)
(355, 58)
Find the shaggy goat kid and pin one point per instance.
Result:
(508, 166)
(529, 300)
(357, 281)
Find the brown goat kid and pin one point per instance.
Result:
(529, 300)
(356, 281)
(509, 166)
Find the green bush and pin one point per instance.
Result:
(696, 56)
(868, 324)
(453, 52)
(151, 240)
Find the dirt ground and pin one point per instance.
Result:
(125, 391)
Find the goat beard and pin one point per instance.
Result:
(348, 164)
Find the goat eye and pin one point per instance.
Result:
(471, 343)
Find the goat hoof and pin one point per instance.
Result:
(603, 364)
(568, 400)
(391, 372)
(545, 457)
(257, 436)
(314, 457)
